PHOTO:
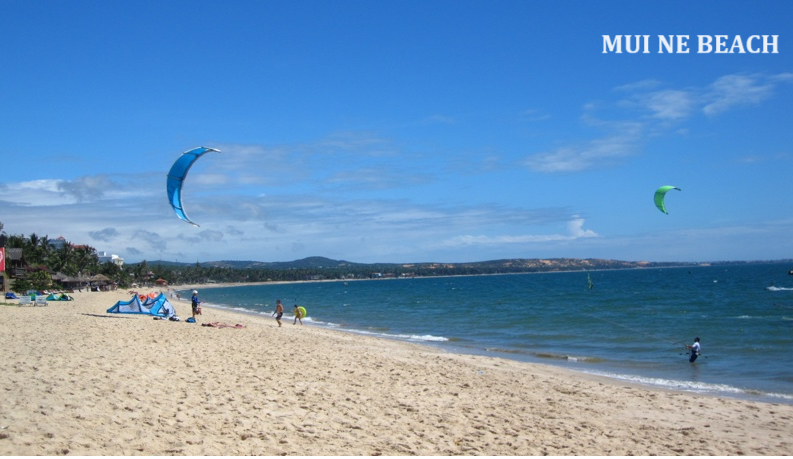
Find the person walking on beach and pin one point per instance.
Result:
(196, 304)
(279, 311)
(694, 350)
(298, 315)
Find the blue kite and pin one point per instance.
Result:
(176, 178)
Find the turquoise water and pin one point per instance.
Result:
(633, 325)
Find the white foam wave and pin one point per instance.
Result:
(401, 337)
(691, 386)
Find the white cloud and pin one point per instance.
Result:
(659, 109)
(670, 104)
(596, 153)
(136, 222)
(660, 104)
(87, 188)
(643, 85)
(736, 90)
(725, 93)
(576, 228)
(575, 231)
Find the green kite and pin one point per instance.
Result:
(660, 194)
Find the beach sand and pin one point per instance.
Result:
(78, 381)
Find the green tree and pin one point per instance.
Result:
(40, 280)
(44, 248)
(62, 260)
(21, 285)
(140, 271)
(16, 241)
(115, 272)
(34, 254)
(86, 260)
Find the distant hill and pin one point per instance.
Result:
(503, 265)
(514, 263)
(305, 263)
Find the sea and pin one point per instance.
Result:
(630, 325)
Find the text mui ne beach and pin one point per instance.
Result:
(679, 44)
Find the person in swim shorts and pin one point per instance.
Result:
(279, 311)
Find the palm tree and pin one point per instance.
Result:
(45, 249)
(31, 250)
(63, 260)
(139, 272)
(85, 259)
(16, 241)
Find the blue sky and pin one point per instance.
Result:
(397, 131)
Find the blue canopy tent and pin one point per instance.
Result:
(158, 306)
(59, 297)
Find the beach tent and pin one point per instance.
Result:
(11, 296)
(158, 306)
(59, 297)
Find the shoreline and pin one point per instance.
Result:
(80, 381)
(560, 361)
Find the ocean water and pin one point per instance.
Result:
(632, 325)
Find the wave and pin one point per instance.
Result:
(694, 386)
(547, 355)
(400, 337)
(771, 288)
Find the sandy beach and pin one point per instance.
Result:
(79, 381)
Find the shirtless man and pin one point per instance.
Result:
(279, 311)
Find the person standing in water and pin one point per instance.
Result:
(694, 350)
(279, 311)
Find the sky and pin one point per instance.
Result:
(400, 131)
